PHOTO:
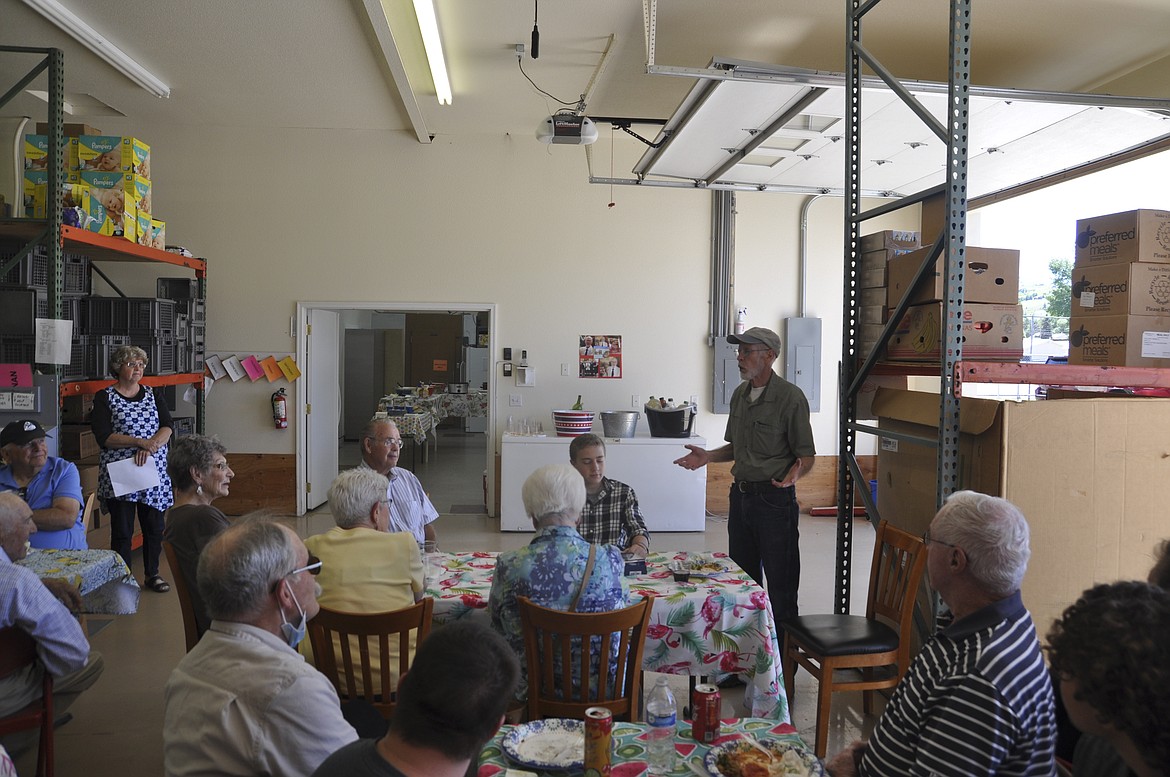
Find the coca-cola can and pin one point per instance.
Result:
(705, 708)
(598, 742)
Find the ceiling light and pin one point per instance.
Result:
(93, 40)
(428, 25)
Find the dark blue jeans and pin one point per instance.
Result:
(763, 537)
(122, 532)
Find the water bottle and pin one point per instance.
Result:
(661, 713)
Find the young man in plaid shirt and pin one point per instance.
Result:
(611, 515)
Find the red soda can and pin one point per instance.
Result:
(705, 709)
(598, 742)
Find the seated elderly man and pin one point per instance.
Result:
(977, 699)
(611, 515)
(1111, 651)
(551, 569)
(51, 486)
(243, 701)
(42, 609)
(443, 718)
(365, 567)
(410, 507)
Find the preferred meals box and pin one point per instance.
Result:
(990, 333)
(1140, 289)
(1132, 236)
(990, 275)
(1119, 341)
(1088, 474)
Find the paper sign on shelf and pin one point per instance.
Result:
(15, 375)
(253, 368)
(271, 369)
(54, 341)
(235, 370)
(288, 365)
(215, 366)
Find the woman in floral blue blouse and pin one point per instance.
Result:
(549, 570)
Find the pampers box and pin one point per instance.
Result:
(113, 153)
(133, 188)
(121, 220)
(36, 193)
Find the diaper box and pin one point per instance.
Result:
(36, 153)
(131, 187)
(113, 153)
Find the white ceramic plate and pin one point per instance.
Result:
(553, 744)
(794, 758)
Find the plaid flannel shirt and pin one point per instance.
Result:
(614, 519)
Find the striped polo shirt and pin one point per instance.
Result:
(976, 701)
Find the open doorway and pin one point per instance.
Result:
(354, 354)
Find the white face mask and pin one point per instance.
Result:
(293, 634)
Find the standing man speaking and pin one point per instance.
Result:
(769, 437)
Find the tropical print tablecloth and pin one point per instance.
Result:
(105, 582)
(470, 405)
(710, 626)
(629, 746)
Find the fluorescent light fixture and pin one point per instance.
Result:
(95, 42)
(428, 25)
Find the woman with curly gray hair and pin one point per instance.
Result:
(1112, 655)
(200, 473)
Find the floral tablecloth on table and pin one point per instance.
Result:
(416, 425)
(629, 746)
(105, 582)
(470, 405)
(717, 625)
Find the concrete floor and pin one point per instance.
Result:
(116, 728)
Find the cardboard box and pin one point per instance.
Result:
(873, 306)
(872, 271)
(107, 214)
(868, 337)
(36, 193)
(1088, 474)
(134, 188)
(113, 154)
(990, 332)
(36, 153)
(991, 275)
(1132, 236)
(1140, 289)
(69, 130)
(75, 408)
(158, 234)
(76, 441)
(1119, 341)
(890, 238)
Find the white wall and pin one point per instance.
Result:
(289, 215)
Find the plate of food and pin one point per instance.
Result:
(552, 744)
(741, 758)
(699, 566)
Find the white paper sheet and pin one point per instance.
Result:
(54, 341)
(126, 477)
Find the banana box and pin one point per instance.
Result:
(990, 333)
(107, 214)
(113, 154)
(36, 153)
(133, 188)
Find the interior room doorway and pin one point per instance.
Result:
(375, 349)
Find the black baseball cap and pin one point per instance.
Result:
(21, 432)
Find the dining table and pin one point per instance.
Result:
(629, 746)
(105, 582)
(707, 626)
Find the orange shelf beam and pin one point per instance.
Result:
(94, 386)
(1060, 374)
(101, 248)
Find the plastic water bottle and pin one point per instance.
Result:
(661, 714)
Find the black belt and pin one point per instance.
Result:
(756, 486)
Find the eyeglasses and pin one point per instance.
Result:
(313, 568)
(393, 442)
(927, 539)
(221, 465)
(746, 351)
(139, 365)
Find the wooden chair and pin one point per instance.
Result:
(364, 628)
(87, 513)
(17, 650)
(823, 644)
(190, 625)
(551, 632)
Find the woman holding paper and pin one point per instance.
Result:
(130, 425)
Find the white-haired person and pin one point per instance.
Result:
(558, 569)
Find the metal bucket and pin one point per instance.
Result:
(619, 423)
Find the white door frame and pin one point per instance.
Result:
(302, 320)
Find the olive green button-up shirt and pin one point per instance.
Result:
(770, 434)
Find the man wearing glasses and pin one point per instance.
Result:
(51, 486)
(410, 507)
(769, 439)
(243, 701)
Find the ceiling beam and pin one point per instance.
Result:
(385, 37)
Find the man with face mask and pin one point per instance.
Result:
(243, 701)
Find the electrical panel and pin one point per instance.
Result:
(726, 376)
(802, 357)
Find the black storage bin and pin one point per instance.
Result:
(670, 423)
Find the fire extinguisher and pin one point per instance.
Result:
(280, 410)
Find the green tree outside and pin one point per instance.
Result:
(1059, 299)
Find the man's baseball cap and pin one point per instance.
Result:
(21, 433)
(757, 335)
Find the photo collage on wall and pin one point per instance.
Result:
(599, 356)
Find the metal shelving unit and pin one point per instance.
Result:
(56, 238)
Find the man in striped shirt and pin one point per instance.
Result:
(977, 700)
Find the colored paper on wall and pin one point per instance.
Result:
(271, 369)
(288, 365)
(253, 368)
(214, 365)
(235, 370)
(15, 375)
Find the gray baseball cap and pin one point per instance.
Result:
(757, 335)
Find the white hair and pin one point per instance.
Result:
(353, 494)
(993, 533)
(554, 494)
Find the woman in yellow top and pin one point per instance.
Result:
(365, 567)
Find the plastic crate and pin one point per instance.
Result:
(33, 270)
(177, 288)
(194, 309)
(18, 309)
(101, 350)
(150, 314)
(76, 369)
(17, 350)
(160, 353)
(195, 359)
(105, 315)
(184, 424)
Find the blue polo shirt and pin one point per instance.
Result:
(57, 478)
